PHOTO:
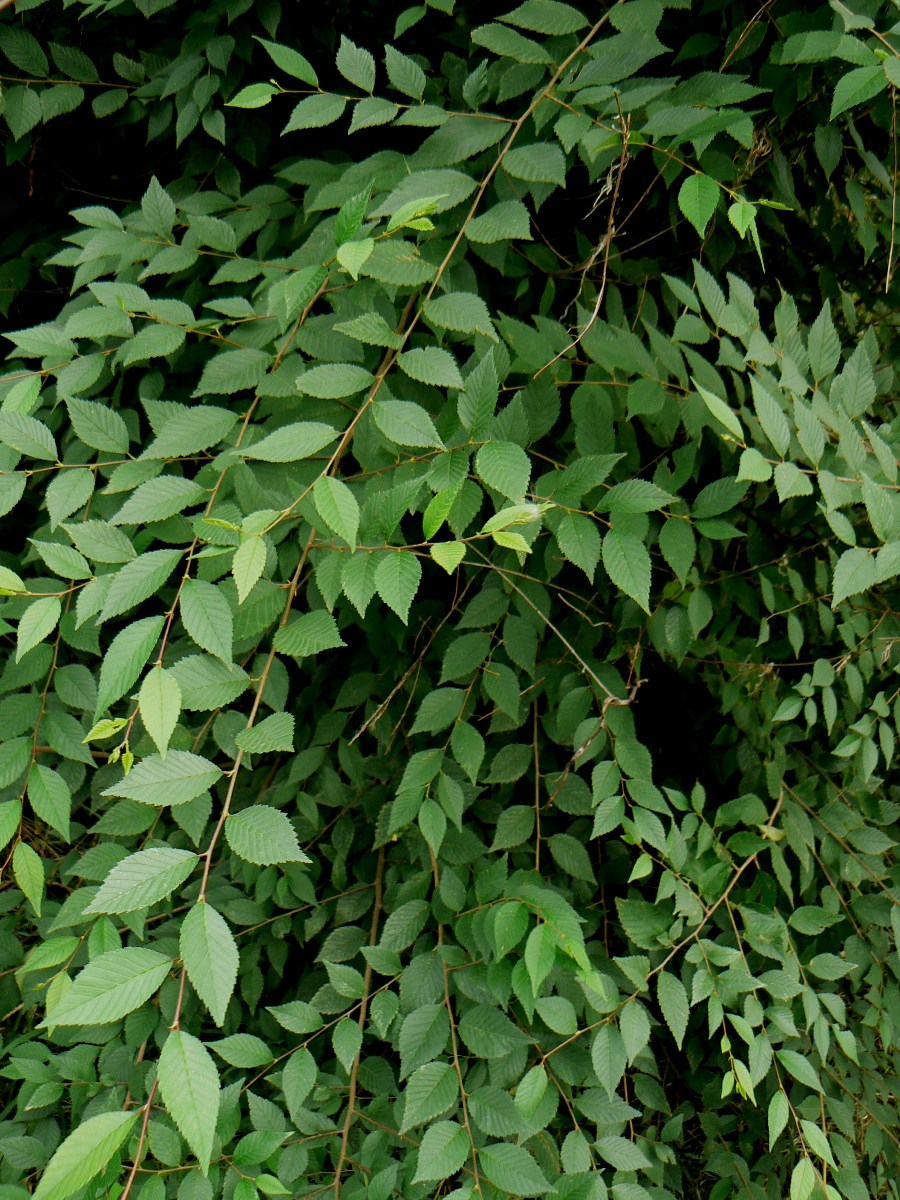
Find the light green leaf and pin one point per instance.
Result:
(856, 572)
(507, 220)
(263, 836)
(405, 423)
(111, 986)
(355, 64)
(430, 1091)
(189, 1086)
(404, 73)
(442, 1152)
(243, 1050)
(338, 508)
(310, 634)
(673, 1003)
(721, 411)
(143, 879)
(697, 199)
(189, 430)
(298, 1078)
(292, 442)
(255, 95)
(210, 957)
(158, 499)
(37, 622)
(125, 659)
(505, 467)
(432, 365)
(229, 372)
(543, 162)
(176, 779)
(27, 435)
(856, 87)
(627, 563)
(138, 581)
(50, 798)
(333, 381)
(622, 1154)
(461, 311)
(249, 561)
(28, 872)
(84, 1154)
(290, 61)
(274, 733)
(778, 1114)
(98, 426)
(315, 112)
(206, 616)
(803, 1176)
(397, 579)
(634, 496)
(512, 1169)
(448, 554)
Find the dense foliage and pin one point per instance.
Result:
(451, 527)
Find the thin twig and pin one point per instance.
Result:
(363, 1011)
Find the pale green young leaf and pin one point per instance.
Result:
(263, 836)
(176, 779)
(210, 956)
(84, 1154)
(189, 1086)
(448, 554)
(111, 986)
(143, 879)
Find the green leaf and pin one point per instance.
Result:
(333, 381)
(856, 87)
(697, 199)
(405, 423)
(546, 16)
(430, 1091)
(856, 571)
(673, 1004)
(229, 372)
(292, 442)
(255, 95)
(442, 1152)
(404, 73)
(338, 508)
(110, 987)
(310, 634)
(355, 64)
(191, 430)
(143, 879)
(543, 162)
(315, 112)
(397, 579)
(206, 616)
(512, 1169)
(622, 1154)
(263, 836)
(801, 1068)
(720, 411)
(189, 1086)
(505, 467)
(634, 496)
(210, 957)
(290, 61)
(138, 581)
(274, 733)
(507, 220)
(98, 426)
(248, 564)
(37, 622)
(803, 1180)
(27, 435)
(158, 499)
(431, 365)
(298, 1078)
(176, 779)
(243, 1050)
(125, 659)
(779, 1111)
(50, 798)
(28, 872)
(509, 44)
(448, 554)
(84, 1154)
(460, 311)
(609, 1058)
(627, 563)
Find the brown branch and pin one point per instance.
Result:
(129, 1183)
(462, 1087)
(363, 1011)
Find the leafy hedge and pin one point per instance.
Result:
(449, 601)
